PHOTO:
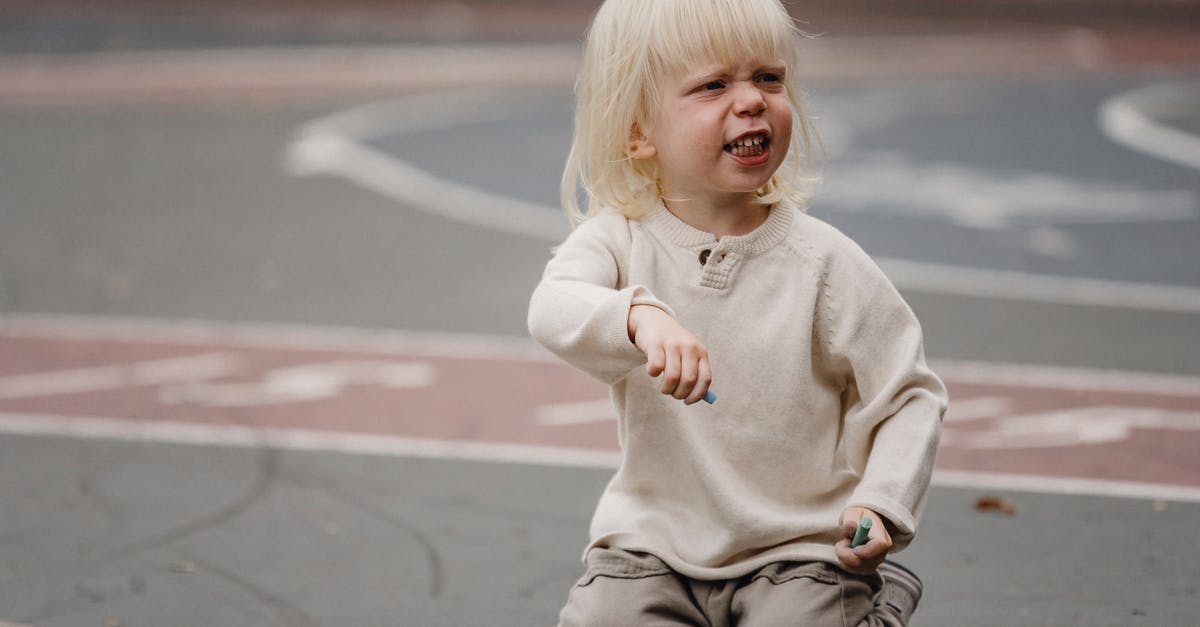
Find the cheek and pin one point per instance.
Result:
(783, 130)
(783, 139)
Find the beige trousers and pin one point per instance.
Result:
(626, 589)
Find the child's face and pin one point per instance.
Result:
(720, 131)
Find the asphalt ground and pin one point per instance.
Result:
(149, 205)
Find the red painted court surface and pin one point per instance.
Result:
(489, 397)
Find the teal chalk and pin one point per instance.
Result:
(710, 397)
(860, 534)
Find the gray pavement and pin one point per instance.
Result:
(153, 534)
(184, 210)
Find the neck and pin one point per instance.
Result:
(731, 216)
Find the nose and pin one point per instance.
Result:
(748, 100)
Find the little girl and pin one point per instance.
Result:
(695, 258)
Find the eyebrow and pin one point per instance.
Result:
(722, 71)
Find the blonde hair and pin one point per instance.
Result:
(632, 46)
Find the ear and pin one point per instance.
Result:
(639, 146)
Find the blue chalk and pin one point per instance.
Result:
(710, 397)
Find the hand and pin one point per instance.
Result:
(671, 351)
(867, 557)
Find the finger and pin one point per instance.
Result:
(689, 374)
(671, 370)
(849, 559)
(703, 381)
(854, 562)
(656, 360)
(875, 547)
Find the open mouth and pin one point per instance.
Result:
(748, 145)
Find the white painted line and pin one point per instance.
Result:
(302, 440)
(411, 186)
(1071, 427)
(135, 76)
(338, 145)
(1063, 378)
(1040, 288)
(302, 383)
(977, 408)
(128, 76)
(583, 412)
(982, 198)
(1134, 119)
(392, 446)
(1061, 485)
(145, 373)
(211, 334)
(442, 109)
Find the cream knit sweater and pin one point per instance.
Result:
(825, 398)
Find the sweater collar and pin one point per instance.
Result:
(771, 232)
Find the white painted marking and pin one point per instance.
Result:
(584, 412)
(144, 373)
(205, 333)
(1065, 485)
(1071, 427)
(495, 347)
(1064, 378)
(995, 199)
(300, 440)
(1053, 242)
(136, 76)
(337, 145)
(977, 408)
(1039, 288)
(306, 382)
(1134, 120)
(126, 76)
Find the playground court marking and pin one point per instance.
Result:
(340, 145)
(96, 428)
(1135, 119)
(199, 335)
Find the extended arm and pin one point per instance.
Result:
(583, 311)
(893, 401)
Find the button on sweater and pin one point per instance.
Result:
(825, 398)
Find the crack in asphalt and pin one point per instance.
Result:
(289, 613)
(359, 502)
(268, 464)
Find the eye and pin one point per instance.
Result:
(770, 77)
(712, 86)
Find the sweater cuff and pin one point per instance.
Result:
(642, 296)
(627, 356)
(904, 522)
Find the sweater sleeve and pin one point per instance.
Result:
(580, 310)
(893, 403)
